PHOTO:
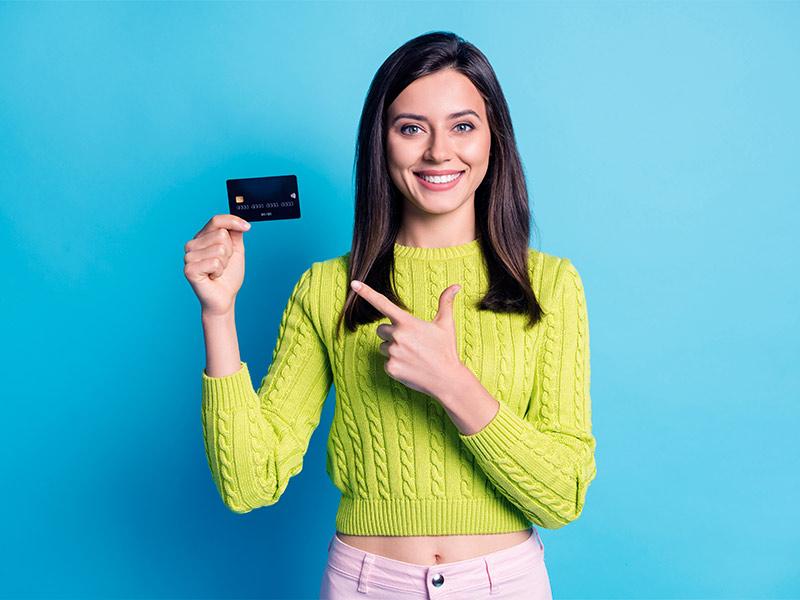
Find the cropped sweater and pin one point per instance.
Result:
(402, 466)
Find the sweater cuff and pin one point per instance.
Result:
(228, 392)
(503, 431)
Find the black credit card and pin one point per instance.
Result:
(264, 198)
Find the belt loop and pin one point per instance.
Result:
(538, 539)
(494, 587)
(363, 578)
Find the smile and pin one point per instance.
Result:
(441, 182)
(439, 178)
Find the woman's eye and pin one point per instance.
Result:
(412, 129)
(464, 127)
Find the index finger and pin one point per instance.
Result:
(379, 301)
(224, 222)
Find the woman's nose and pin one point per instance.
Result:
(438, 149)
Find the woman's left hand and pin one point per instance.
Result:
(421, 354)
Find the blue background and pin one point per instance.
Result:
(661, 144)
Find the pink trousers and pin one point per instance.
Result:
(515, 572)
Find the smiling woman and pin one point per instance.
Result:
(438, 141)
(460, 356)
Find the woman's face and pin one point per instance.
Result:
(437, 143)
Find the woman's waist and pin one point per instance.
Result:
(438, 549)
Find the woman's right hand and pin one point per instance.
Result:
(214, 263)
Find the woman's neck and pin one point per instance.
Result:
(437, 231)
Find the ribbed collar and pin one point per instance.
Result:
(469, 249)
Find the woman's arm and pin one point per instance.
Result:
(214, 267)
(542, 462)
(255, 441)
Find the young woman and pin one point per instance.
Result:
(464, 416)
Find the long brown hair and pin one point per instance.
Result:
(502, 216)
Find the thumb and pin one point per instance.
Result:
(237, 240)
(445, 312)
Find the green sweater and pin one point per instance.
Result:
(401, 464)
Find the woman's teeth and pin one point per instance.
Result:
(439, 178)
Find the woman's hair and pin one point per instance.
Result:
(502, 217)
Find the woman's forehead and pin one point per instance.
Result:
(439, 95)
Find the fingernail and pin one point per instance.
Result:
(455, 291)
(356, 285)
(246, 225)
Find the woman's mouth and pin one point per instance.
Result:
(439, 181)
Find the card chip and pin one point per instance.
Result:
(239, 199)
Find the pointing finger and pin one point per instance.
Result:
(379, 301)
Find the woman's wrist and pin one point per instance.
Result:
(215, 317)
(470, 406)
(222, 345)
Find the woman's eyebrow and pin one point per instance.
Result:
(455, 115)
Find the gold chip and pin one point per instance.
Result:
(239, 199)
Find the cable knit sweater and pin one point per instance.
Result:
(401, 464)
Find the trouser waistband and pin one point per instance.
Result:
(435, 580)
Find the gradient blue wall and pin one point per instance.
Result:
(661, 144)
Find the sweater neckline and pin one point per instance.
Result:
(460, 251)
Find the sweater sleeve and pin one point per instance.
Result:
(255, 440)
(543, 461)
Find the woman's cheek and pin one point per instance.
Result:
(478, 150)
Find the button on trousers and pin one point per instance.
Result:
(515, 572)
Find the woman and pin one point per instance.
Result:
(464, 416)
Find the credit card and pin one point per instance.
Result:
(264, 198)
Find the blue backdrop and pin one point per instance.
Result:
(661, 145)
